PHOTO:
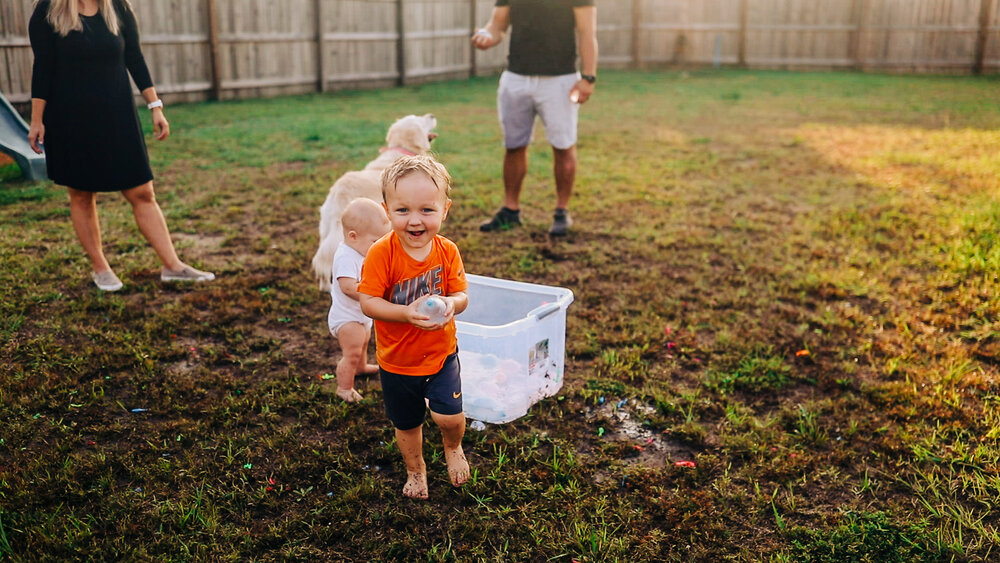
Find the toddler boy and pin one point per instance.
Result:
(418, 356)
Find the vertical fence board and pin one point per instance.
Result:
(991, 50)
(6, 19)
(362, 43)
(614, 32)
(923, 35)
(983, 35)
(214, 54)
(801, 33)
(320, 23)
(5, 76)
(16, 78)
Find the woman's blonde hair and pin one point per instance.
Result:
(64, 15)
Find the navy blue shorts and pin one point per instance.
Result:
(404, 394)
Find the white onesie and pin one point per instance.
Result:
(346, 264)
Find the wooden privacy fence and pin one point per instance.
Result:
(220, 49)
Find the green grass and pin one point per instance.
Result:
(8, 169)
(864, 537)
(789, 279)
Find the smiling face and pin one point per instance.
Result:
(416, 208)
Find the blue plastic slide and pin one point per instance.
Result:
(14, 141)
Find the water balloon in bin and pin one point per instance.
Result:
(432, 306)
(511, 344)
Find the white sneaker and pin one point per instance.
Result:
(186, 274)
(107, 281)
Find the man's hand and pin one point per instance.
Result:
(582, 91)
(491, 34)
(484, 39)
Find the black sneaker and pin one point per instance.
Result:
(503, 220)
(561, 222)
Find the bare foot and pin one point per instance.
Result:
(370, 369)
(349, 395)
(416, 485)
(458, 467)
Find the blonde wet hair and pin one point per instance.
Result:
(418, 163)
(363, 215)
(64, 15)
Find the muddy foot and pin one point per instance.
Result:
(458, 467)
(416, 485)
(349, 395)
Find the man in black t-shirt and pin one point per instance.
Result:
(541, 79)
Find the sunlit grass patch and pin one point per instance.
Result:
(976, 246)
(917, 159)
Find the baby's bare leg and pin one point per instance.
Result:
(353, 338)
(411, 445)
(452, 429)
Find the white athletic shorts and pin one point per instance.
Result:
(520, 98)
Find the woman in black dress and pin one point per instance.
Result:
(83, 112)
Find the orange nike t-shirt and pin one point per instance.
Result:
(392, 274)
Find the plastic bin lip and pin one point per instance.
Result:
(518, 285)
(561, 299)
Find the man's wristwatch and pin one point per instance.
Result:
(589, 78)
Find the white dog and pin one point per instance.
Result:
(408, 136)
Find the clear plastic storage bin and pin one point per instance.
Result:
(511, 343)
